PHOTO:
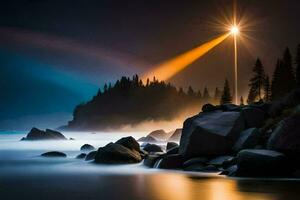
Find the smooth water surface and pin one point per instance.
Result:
(26, 175)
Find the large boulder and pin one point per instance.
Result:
(129, 142)
(37, 134)
(248, 139)
(87, 147)
(286, 137)
(171, 145)
(81, 156)
(159, 135)
(147, 138)
(173, 161)
(254, 117)
(175, 137)
(151, 159)
(211, 133)
(54, 154)
(114, 153)
(261, 163)
(150, 148)
(90, 156)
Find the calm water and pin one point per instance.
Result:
(25, 175)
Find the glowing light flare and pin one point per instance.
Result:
(234, 30)
(169, 68)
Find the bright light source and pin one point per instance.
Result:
(234, 30)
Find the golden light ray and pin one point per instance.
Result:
(171, 67)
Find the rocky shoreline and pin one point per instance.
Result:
(258, 140)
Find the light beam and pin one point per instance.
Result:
(167, 69)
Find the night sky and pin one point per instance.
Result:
(55, 54)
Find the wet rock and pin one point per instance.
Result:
(114, 153)
(152, 148)
(218, 161)
(209, 107)
(202, 168)
(170, 145)
(143, 153)
(37, 134)
(211, 133)
(151, 159)
(54, 154)
(197, 160)
(173, 161)
(230, 171)
(248, 139)
(173, 150)
(81, 156)
(261, 163)
(129, 142)
(286, 138)
(90, 156)
(230, 107)
(175, 137)
(87, 147)
(254, 117)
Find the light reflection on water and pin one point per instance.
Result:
(36, 178)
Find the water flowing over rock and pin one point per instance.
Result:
(210, 133)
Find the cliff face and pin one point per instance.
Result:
(130, 102)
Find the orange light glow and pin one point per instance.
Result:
(169, 68)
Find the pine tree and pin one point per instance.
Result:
(267, 90)
(298, 66)
(226, 96)
(289, 81)
(105, 88)
(276, 88)
(241, 101)
(205, 97)
(191, 91)
(217, 95)
(256, 82)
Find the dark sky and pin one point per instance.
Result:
(54, 54)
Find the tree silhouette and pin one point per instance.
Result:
(226, 96)
(218, 94)
(241, 101)
(289, 81)
(298, 66)
(129, 101)
(206, 96)
(256, 82)
(267, 90)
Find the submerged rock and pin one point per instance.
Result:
(261, 163)
(152, 148)
(87, 147)
(211, 133)
(54, 154)
(37, 134)
(114, 153)
(90, 156)
(248, 139)
(129, 142)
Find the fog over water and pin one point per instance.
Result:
(26, 175)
